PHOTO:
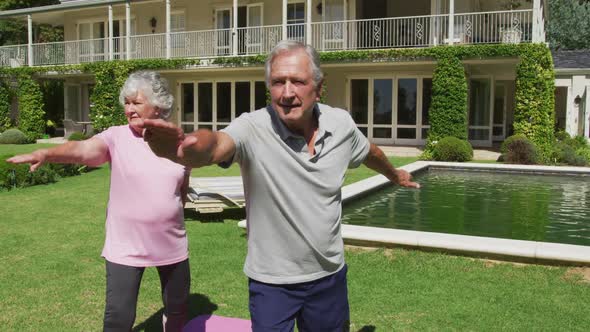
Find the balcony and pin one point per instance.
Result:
(386, 33)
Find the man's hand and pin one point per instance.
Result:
(404, 179)
(164, 138)
(36, 159)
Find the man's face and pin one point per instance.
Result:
(292, 91)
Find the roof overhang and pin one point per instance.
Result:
(55, 14)
(572, 71)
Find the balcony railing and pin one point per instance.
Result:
(416, 31)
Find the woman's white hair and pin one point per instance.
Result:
(287, 46)
(154, 88)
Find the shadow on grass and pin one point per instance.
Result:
(198, 304)
(231, 213)
(368, 328)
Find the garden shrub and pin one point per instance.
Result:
(508, 141)
(562, 135)
(77, 136)
(14, 136)
(452, 149)
(572, 151)
(18, 175)
(518, 149)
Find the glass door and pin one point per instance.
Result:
(223, 32)
(91, 36)
(382, 112)
(254, 29)
(296, 21)
(186, 106)
(480, 131)
(407, 106)
(333, 28)
(499, 124)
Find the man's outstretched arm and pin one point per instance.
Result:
(377, 161)
(200, 148)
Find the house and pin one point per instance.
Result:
(388, 99)
(572, 91)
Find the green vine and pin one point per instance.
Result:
(5, 99)
(31, 114)
(534, 115)
(448, 110)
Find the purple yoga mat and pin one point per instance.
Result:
(213, 323)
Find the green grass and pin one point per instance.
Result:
(53, 276)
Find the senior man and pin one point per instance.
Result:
(293, 156)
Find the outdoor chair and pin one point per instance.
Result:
(70, 127)
(214, 194)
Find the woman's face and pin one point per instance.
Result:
(138, 108)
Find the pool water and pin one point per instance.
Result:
(548, 208)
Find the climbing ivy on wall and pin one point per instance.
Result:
(5, 122)
(534, 113)
(30, 101)
(448, 110)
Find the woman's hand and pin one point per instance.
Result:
(36, 159)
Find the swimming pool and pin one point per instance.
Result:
(499, 203)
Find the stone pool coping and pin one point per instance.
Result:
(475, 245)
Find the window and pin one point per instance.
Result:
(296, 21)
(177, 25)
(214, 104)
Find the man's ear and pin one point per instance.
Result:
(319, 89)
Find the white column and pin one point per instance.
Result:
(110, 35)
(536, 21)
(344, 25)
(168, 29)
(234, 29)
(284, 19)
(587, 112)
(451, 37)
(308, 22)
(128, 30)
(30, 39)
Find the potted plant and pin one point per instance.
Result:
(50, 128)
(510, 33)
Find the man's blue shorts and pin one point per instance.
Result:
(319, 305)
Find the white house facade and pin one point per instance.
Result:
(389, 100)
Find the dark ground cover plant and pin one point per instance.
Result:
(517, 149)
(18, 176)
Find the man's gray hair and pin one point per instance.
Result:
(287, 46)
(154, 88)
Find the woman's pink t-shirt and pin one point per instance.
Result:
(145, 217)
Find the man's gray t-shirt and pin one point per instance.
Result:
(293, 199)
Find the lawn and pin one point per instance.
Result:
(53, 276)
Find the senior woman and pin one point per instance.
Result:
(145, 221)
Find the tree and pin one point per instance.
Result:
(568, 26)
(14, 31)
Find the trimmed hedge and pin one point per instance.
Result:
(13, 136)
(452, 149)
